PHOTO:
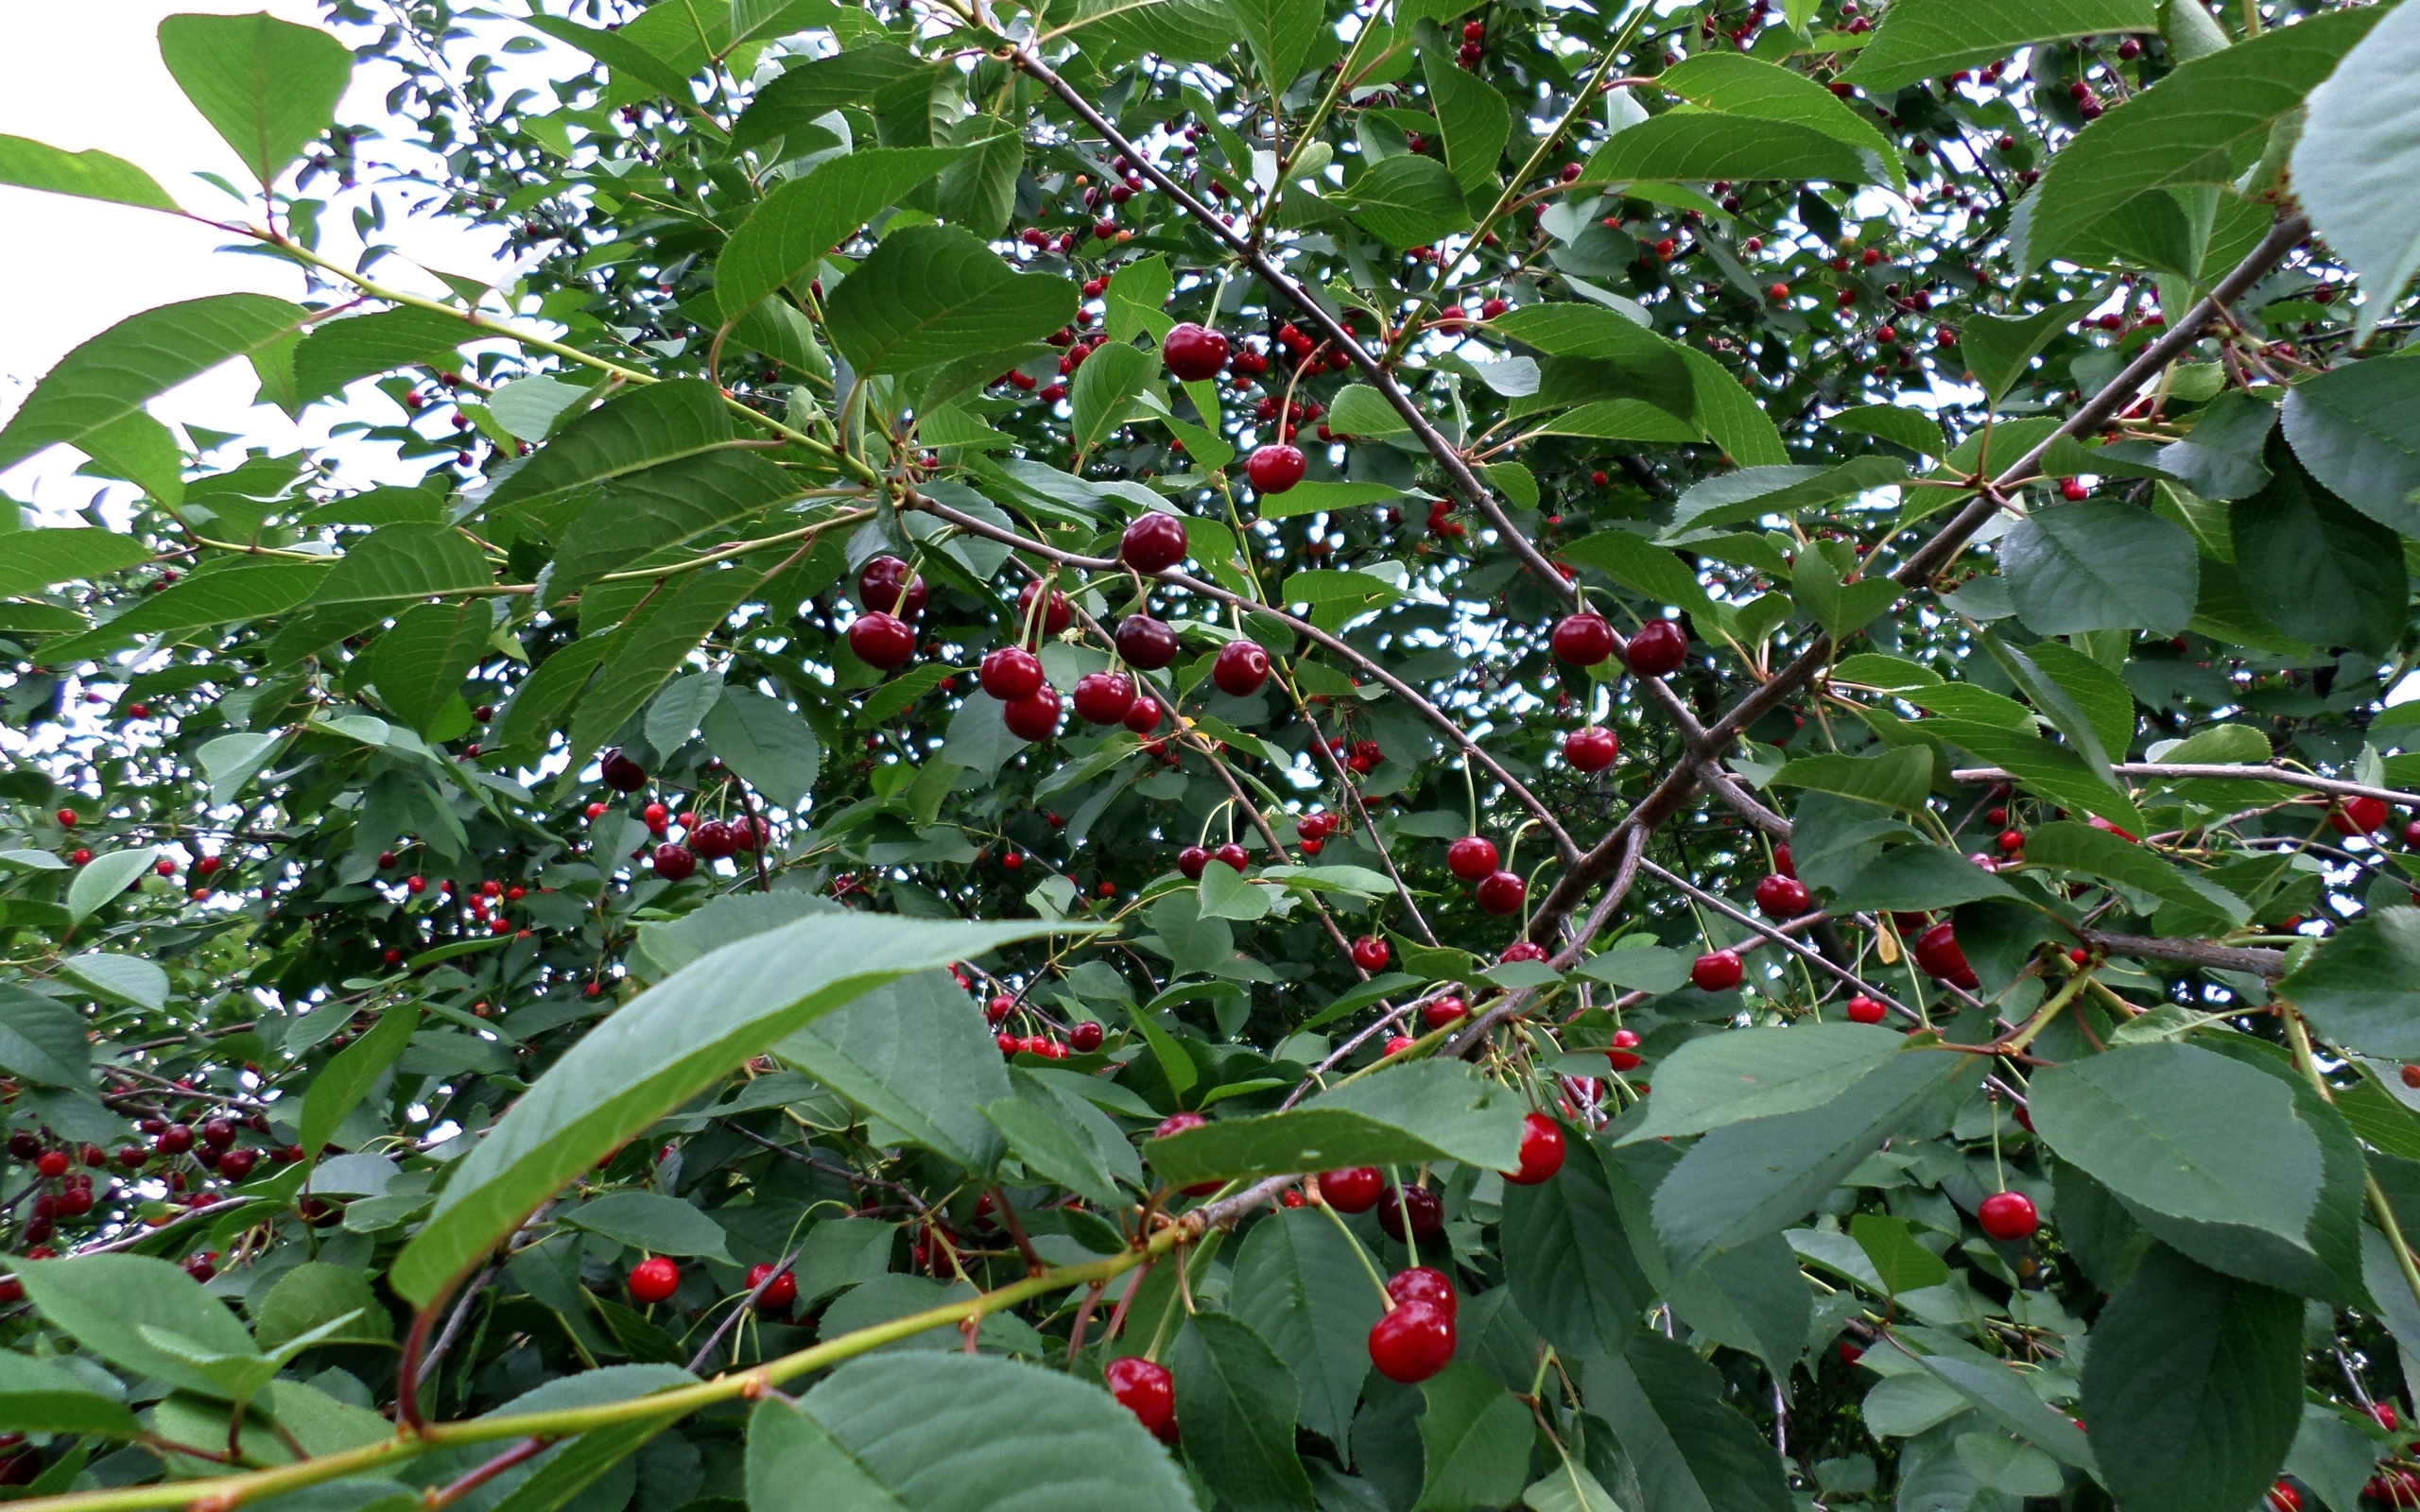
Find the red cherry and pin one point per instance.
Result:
(1522, 950)
(203, 1266)
(80, 857)
(51, 1163)
(1427, 1212)
(1354, 1189)
(621, 773)
(237, 1164)
(878, 588)
(175, 1140)
(1193, 352)
(2281, 1497)
(1035, 717)
(1176, 1124)
(1592, 749)
(1240, 668)
(713, 839)
(1086, 1037)
(653, 1280)
(1154, 542)
(2012, 840)
(2009, 1215)
(1192, 861)
(1541, 1151)
(1140, 1387)
(1784, 862)
(1055, 615)
(1937, 953)
(1010, 673)
(66, 819)
(880, 641)
(1624, 1053)
(1424, 1283)
(1583, 639)
(1233, 854)
(1438, 1012)
(781, 1293)
(1103, 697)
(1471, 857)
(1274, 468)
(2358, 815)
(1863, 1009)
(999, 1007)
(673, 861)
(1658, 648)
(1145, 644)
(217, 1133)
(1372, 954)
(1780, 897)
(1143, 716)
(1412, 1343)
(1716, 972)
(1501, 892)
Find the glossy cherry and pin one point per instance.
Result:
(1103, 697)
(1193, 352)
(1424, 1283)
(1623, 1055)
(1192, 861)
(1863, 1009)
(1658, 648)
(714, 840)
(1240, 668)
(1501, 892)
(1716, 972)
(1354, 1189)
(653, 1280)
(1233, 854)
(1780, 897)
(1143, 716)
(1145, 644)
(1427, 1212)
(1142, 1388)
(2358, 815)
(673, 861)
(1056, 615)
(1414, 1342)
(621, 774)
(1010, 673)
(1938, 955)
(1372, 954)
(1583, 639)
(1541, 1151)
(1154, 542)
(780, 1293)
(878, 588)
(1592, 749)
(2008, 1217)
(1440, 1011)
(1035, 717)
(1471, 857)
(1085, 1038)
(881, 641)
(1274, 468)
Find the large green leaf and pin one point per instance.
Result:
(268, 86)
(1475, 1441)
(2357, 430)
(626, 56)
(644, 427)
(113, 374)
(1918, 877)
(1653, 366)
(979, 190)
(342, 1083)
(792, 228)
(224, 595)
(419, 664)
(1691, 1451)
(1637, 564)
(915, 1053)
(2194, 1387)
(2041, 766)
(2203, 124)
(1933, 39)
(95, 175)
(934, 293)
(2361, 987)
(1409, 200)
(1105, 389)
(1730, 415)
(1999, 348)
(1899, 779)
(653, 645)
(1419, 1110)
(399, 564)
(1568, 1261)
(41, 1040)
(2325, 574)
(104, 878)
(1690, 147)
(1751, 493)
(2359, 153)
(2082, 848)
(1737, 84)
(43, 1395)
(1471, 115)
(771, 749)
(1300, 1284)
(811, 87)
(1282, 33)
(1237, 1401)
(117, 1306)
(933, 1432)
(1729, 1078)
(2100, 566)
(1059, 1136)
(649, 514)
(657, 1051)
(38, 558)
(335, 353)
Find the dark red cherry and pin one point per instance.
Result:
(1274, 468)
(1192, 861)
(1240, 668)
(1427, 1212)
(1010, 673)
(1716, 972)
(878, 588)
(1583, 639)
(1658, 648)
(1055, 615)
(880, 641)
(1424, 1283)
(1145, 644)
(621, 774)
(1085, 1038)
(1592, 749)
(1501, 892)
(1154, 542)
(674, 861)
(1143, 716)
(1370, 954)
(1471, 857)
(714, 840)
(1103, 697)
(1035, 717)
(1354, 1189)
(1193, 352)
(1780, 897)
(1233, 854)
(1412, 1343)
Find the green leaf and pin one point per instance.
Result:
(791, 228)
(315, 1294)
(110, 1303)
(1690, 1449)
(1933, 39)
(772, 749)
(2219, 458)
(1105, 389)
(1729, 416)
(1299, 1283)
(624, 55)
(1899, 779)
(104, 878)
(1238, 1402)
(2357, 430)
(1738, 85)
(1693, 146)
(1641, 566)
(2203, 124)
(1841, 609)
(1751, 1074)
(268, 87)
(38, 558)
(335, 353)
(1136, 302)
(931, 294)
(1908, 428)
(940, 1432)
(1748, 1180)
(1324, 498)
(2357, 148)
(1282, 33)
(2327, 574)
(653, 645)
(652, 1221)
(1917, 877)
(641, 428)
(419, 664)
(979, 190)
(548, 693)
(2081, 848)
(1999, 348)
(808, 90)
(1899, 1262)
(242, 588)
(648, 515)
(2040, 766)
(145, 356)
(134, 979)
(1651, 365)
(1407, 201)
(41, 1040)
(94, 175)
(1988, 1382)
(1471, 115)
(2099, 695)
(2194, 1387)
(1361, 410)
(1475, 1441)
(341, 1084)
(2361, 985)
(1752, 493)
(43, 1396)
(660, 1050)
(1419, 1110)
(915, 1053)
(2100, 566)
(1568, 1261)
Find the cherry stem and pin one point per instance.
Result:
(1403, 1206)
(1360, 1253)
